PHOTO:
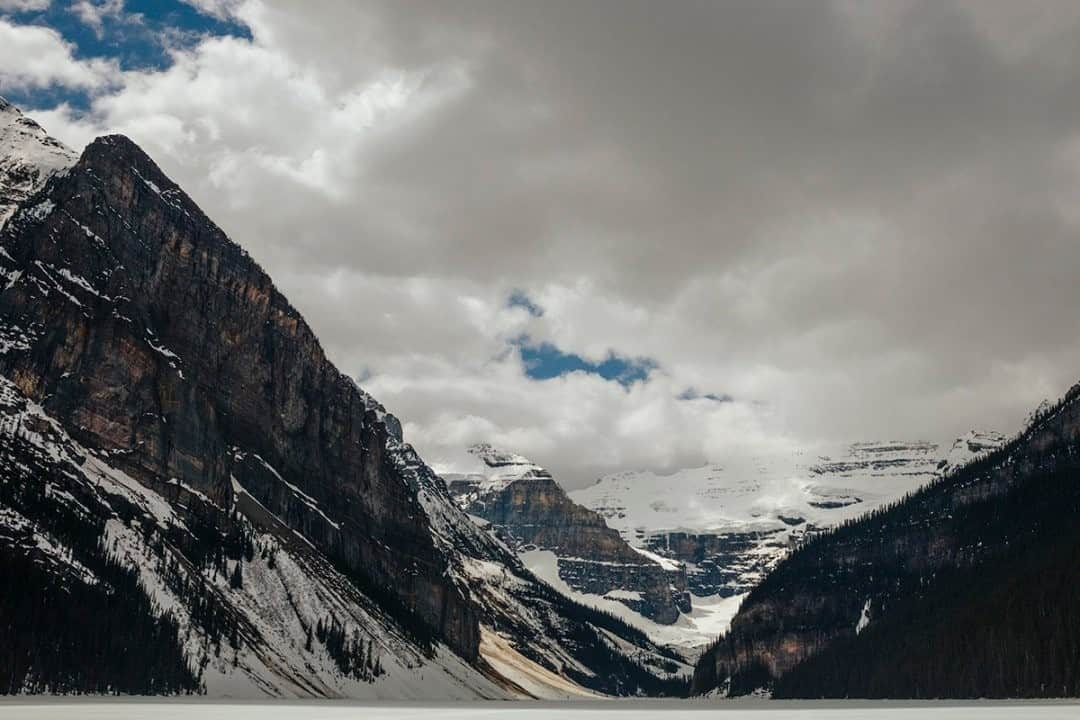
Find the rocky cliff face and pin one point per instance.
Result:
(531, 512)
(181, 420)
(164, 344)
(884, 606)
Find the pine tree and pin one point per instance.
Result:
(236, 580)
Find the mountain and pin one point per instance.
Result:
(232, 514)
(731, 523)
(28, 157)
(965, 588)
(533, 515)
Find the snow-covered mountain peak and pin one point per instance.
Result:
(483, 469)
(969, 446)
(495, 458)
(28, 157)
(1042, 409)
(490, 469)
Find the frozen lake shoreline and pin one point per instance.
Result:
(67, 708)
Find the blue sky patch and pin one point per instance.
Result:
(138, 38)
(544, 361)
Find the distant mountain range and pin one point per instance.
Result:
(731, 523)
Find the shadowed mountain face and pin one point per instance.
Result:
(964, 589)
(170, 426)
(165, 345)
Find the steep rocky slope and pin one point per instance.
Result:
(178, 418)
(731, 523)
(530, 512)
(963, 589)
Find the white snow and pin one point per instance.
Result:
(708, 618)
(42, 210)
(202, 496)
(28, 157)
(77, 280)
(864, 618)
(275, 603)
(149, 183)
(489, 470)
(666, 563)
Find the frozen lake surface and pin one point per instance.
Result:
(102, 709)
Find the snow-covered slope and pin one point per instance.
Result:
(264, 640)
(28, 157)
(731, 522)
(969, 446)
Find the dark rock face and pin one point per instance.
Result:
(536, 511)
(723, 564)
(133, 319)
(920, 599)
(533, 512)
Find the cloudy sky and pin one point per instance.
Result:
(612, 234)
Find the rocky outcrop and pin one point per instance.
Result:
(531, 511)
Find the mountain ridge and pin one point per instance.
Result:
(872, 608)
(199, 439)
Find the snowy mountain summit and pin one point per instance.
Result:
(488, 470)
(28, 157)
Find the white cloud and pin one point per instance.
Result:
(35, 56)
(23, 5)
(222, 9)
(93, 14)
